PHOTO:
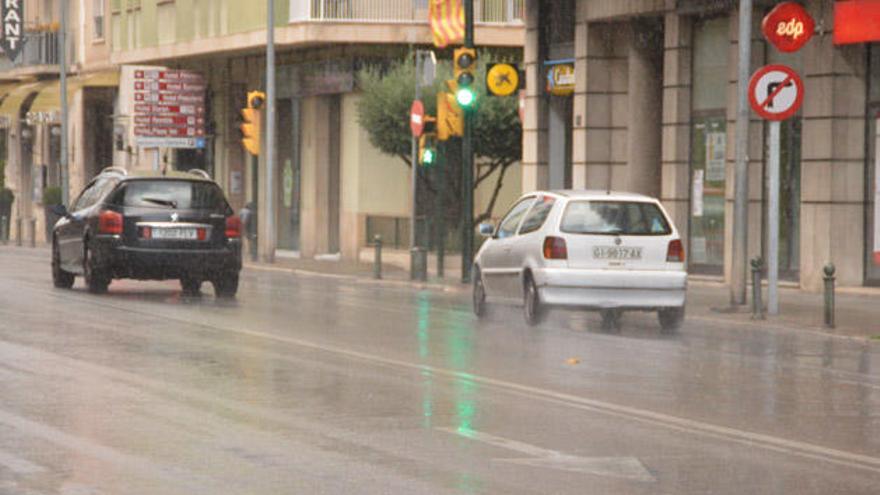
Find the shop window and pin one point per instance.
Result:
(709, 145)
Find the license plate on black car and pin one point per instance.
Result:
(183, 234)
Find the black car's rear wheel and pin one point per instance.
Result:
(191, 285)
(226, 285)
(60, 278)
(97, 280)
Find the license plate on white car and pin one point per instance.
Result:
(617, 253)
(184, 234)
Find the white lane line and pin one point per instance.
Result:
(148, 469)
(767, 442)
(18, 465)
(616, 467)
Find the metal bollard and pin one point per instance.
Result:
(33, 222)
(419, 264)
(829, 278)
(19, 235)
(377, 257)
(4, 232)
(757, 302)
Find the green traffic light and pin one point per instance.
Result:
(428, 157)
(465, 97)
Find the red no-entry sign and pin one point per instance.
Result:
(776, 92)
(417, 118)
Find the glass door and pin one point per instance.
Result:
(872, 267)
(288, 179)
(708, 177)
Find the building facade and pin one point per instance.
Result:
(653, 109)
(334, 190)
(30, 108)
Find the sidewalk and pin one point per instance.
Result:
(857, 315)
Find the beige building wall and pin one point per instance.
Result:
(534, 163)
(833, 158)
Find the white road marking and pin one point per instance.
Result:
(18, 465)
(616, 467)
(764, 441)
(142, 466)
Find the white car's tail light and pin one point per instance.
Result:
(675, 252)
(555, 248)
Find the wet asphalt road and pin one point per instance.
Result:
(311, 384)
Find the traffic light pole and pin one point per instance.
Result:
(414, 150)
(269, 241)
(467, 164)
(62, 66)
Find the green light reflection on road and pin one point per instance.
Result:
(423, 314)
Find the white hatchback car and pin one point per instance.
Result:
(595, 250)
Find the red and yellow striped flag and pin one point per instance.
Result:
(447, 22)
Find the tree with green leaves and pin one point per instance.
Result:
(383, 111)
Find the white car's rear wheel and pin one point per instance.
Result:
(533, 311)
(671, 319)
(610, 320)
(479, 295)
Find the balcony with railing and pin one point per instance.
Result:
(398, 11)
(40, 48)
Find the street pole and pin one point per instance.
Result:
(440, 209)
(270, 134)
(62, 69)
(773, 221)
(414, 179)
(467, 164)
(741, 177)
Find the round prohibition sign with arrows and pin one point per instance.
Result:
(776, 92)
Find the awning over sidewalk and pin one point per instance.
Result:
(11, 105)
(48, 102)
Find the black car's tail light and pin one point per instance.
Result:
(555, 248)
(233, 227)
(675, 252)
(110, 222)
(202, 234)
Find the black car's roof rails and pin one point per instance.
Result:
(201, 173)
(117, 170)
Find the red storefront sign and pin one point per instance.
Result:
(856, 21)
(788, 26)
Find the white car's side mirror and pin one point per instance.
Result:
(487, 229)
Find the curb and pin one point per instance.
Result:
(361, 279)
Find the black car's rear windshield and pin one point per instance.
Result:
(614, 217)
(176, 194)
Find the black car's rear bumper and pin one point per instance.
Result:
(164, 263)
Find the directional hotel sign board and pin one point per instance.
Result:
(169, 108)
(13, 27)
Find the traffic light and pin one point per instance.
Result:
(450, 117)
(465, 62)
(251, 117)
(427, 149)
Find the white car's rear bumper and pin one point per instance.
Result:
(633, 289)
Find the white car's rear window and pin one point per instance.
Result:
(614, 218)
